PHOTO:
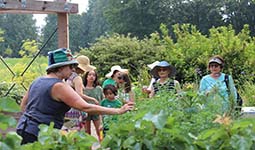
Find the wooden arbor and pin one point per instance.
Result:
(60, 7)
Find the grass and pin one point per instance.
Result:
(17, 74)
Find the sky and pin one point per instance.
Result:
(83, 4)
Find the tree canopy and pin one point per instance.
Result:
(135, 18)
(16, 27)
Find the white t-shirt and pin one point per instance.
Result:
(152, 81)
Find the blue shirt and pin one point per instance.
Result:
(209, 84)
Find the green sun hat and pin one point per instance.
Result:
(60, 57)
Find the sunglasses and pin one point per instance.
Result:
(162, 69)
(120, 77)
(72, 66)
(214, 65)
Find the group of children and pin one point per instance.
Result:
(115, 91)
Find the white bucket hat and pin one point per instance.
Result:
(84, 63)
(152, 65)
(114, 68)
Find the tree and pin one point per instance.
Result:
(239, 13)
(128, 52)
(76, 33)
(138, 17)
(29, 48)
(16, 27)
(47, 31)
(94, 23)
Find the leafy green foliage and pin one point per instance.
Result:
(117, 49)
(10, 142)
(185, 121)
(189, 53)
(8, 107)
(139, 18)
(16, 27)
(51, 138)
(21, 80)
(247, 94)
(29, 48)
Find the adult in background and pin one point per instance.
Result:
(164, 71)
(112, 76)
(49, 98)
(215, 82)
(74, 116)
(93, 89)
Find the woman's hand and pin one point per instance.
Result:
(146, 90)
(127, 107)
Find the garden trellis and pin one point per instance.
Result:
(60, 7)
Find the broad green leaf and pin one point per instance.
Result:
(4, 146)
(12, 140)
(241, 142)
(9, 105)
(148, 144)
(159, 120)
(242, 124)
(6, 121)
(129, 141)
(207, 133)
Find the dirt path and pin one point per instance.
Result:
(93, 133)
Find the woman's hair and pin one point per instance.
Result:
(114, 72)
(111, 88)
(85, 82)
(127, 82)
(54, 70)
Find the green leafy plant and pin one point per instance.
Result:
(51, 138)
(183, 121)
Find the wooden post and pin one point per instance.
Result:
(63, 29)
(61, 7)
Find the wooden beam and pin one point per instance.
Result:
(63, 30)
(33, 6)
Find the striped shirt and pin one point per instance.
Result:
(169, 85)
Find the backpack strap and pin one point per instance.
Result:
(239, 99)
(226, 80)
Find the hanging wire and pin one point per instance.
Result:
(7, 93)
(37, 54)
(7, 66)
